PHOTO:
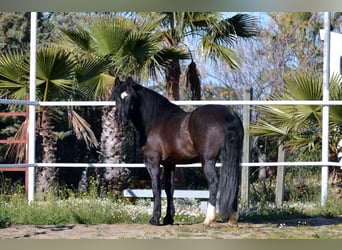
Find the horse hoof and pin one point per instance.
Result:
(232, 224)
(233, 219)
(154, 222)
(168, 221)
(208, 223)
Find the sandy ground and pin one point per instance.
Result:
(322, 228)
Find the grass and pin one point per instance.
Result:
(69, 211)
(91, 208)
(106, 211)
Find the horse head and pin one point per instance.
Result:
(124, 96)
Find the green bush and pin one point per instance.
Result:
(5, 218)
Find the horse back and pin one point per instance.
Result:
(206, 127)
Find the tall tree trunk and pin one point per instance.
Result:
(172, 76)
(111, 151)
(46, 177)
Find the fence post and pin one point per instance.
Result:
(32, 108)
(280, 177)
(325, 108)
(247, 95)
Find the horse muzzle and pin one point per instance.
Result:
(123, 120)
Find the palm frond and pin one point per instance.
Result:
(16, 151)
(82, 129)
(240, 25)
(91, 67)
(14, 74)
(304, 86)
(97, 86)
(335, 112)
(55, 72)
(109, 35)
(218, 52)
(79, 37)
(263, 128)
(193, 83)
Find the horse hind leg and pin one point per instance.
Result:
(234, 215)
(210, 173)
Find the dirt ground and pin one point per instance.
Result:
(313, 228)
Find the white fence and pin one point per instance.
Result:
(31, 131)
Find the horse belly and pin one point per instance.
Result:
(180, 152)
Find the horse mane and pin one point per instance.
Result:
(151, 106)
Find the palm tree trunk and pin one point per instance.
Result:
(172, 76)
(46, 177)
(111, 151)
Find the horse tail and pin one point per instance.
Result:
(230, 173)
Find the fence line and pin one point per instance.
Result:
(31, 165)
(194, 165)
(194, 103)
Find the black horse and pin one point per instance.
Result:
(171, 136)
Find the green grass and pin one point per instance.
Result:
(54, 212)
(106, 211)
(67, 207)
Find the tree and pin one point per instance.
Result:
(297, 35)
(15, 29)
(215, 33)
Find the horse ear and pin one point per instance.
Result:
(129, 82)
(117, 81)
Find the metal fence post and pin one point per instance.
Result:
(32, 108)
(280, 177)
(245, 181)
(325, 108)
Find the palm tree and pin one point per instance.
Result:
(216, 34)
(56, 80)
(299, 127)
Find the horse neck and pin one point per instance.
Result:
(150, 108)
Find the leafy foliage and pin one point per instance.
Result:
(132, 45)
(299, 126)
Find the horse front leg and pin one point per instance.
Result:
(169, 188)
(154, 171)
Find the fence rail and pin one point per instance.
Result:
(194, 103)
(194, 165)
